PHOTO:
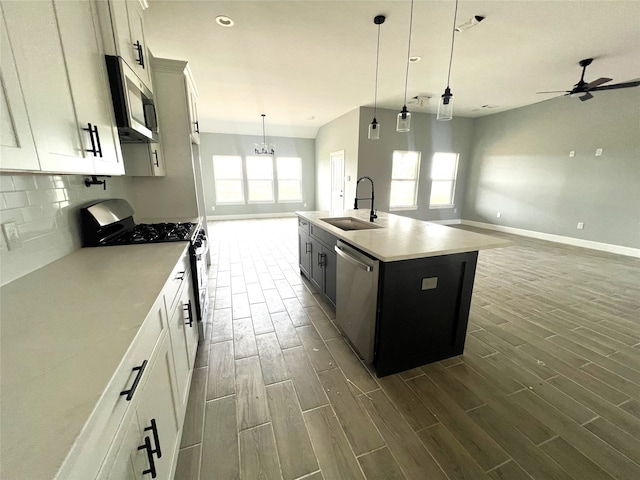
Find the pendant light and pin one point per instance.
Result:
(404, 117)
(445, 107)
(264, 148)
(374, 126)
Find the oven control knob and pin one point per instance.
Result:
(198, 243)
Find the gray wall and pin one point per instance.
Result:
(521, 167)
(226, 144)
(339, 134)
(427, 135)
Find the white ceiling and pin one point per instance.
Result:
(304, 63)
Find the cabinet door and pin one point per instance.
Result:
(123, 467)
(156, 410)
(317, 262)
(143, 159)
(192, 105)
(33, 33)
(304, 252)
(17, 150)
(330, 274)
(84, 56)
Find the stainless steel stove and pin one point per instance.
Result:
(110, 223)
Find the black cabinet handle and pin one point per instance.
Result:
(140, 58)
(152, 464)
(157, 162)
(321, 257)
(180, 276)
(307, 247)
(154, 430)
(129, 393)
(96, 148)
(187, 308)
(197, 126)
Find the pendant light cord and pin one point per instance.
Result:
(375, 96)
(264, 136)
(453, 38)
(406, 78)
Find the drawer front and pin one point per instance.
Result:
(123, 391)
(325, 237)
(179, 277)
(303, 225)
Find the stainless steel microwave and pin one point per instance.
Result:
(132, 103)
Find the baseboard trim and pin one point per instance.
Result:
(248, 216)
(576, 242)
(450, 221)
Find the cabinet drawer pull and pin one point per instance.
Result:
(187, 308)
(321, 259)
(152, 463)
(129, 393)
(197, 126)
(307, 247)
(154, 430)
(140, 58)
(180, 275)
(157, 162)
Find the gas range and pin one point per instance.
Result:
(155, 233)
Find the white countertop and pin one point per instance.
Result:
(64, 330)
(403, 238)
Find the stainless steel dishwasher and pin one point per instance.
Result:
(356, 297)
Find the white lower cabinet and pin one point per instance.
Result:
(150, 441)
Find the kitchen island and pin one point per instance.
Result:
(422, 293)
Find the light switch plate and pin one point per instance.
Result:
(11, 235)
(598, 152)
(429, 283)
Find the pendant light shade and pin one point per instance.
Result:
(264, 148)
(374, 126)
(445, 107)
(404, 117)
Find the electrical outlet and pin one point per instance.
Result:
(455, 210)
(213, 208)
(572, 153)
(498, 214)
(305, 204)
(580, 226)
(598, 152)
(11, 235)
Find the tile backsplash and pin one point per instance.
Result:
(46, 210)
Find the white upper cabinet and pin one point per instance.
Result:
(17, 150)
(192, 99)
(60, 64)
(123, 34)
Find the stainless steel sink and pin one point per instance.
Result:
(350, 223)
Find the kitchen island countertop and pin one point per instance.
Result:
(404, 238)
(65, 328)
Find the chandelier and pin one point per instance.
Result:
(264, 148)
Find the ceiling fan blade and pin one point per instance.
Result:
(557, 91)
(597, 82)
(617, 85)
(586, 96)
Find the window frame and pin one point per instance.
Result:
(416, 181)
(453, 180)
(249, 158)
(298, 179)
(241, 180)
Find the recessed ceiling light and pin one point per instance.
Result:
(312, 117)
(224, 21)
(414, 59)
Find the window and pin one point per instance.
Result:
(444, 169)
(227, 171)
(289, 179)
(404, 180)
(260, 179)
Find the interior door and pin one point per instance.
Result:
(337, 181)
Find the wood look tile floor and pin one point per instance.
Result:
(548, 386)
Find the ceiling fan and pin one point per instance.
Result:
(584, 89)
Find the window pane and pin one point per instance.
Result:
(226, 166)
(229, 191)
(260, 168)
(444, 166)
(289, 190)
(289, 168)
(403, 193)
(441, 192)
(405, 165)
(260, 190)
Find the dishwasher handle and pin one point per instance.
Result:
(350, 259)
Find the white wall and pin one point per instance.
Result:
(521, 168)
(46, 209)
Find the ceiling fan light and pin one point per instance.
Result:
(374, 130)
(404, 121)
(445, 107)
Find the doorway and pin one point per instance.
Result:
(337, 181)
